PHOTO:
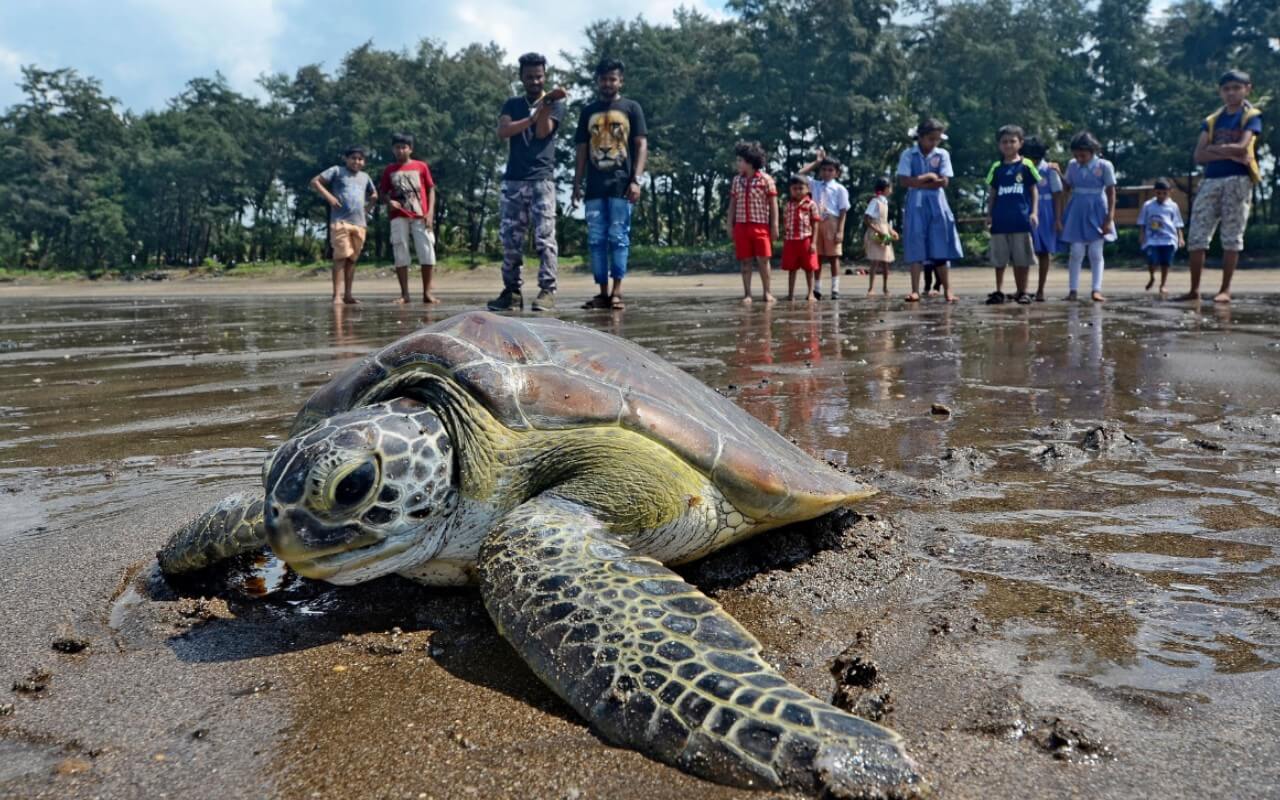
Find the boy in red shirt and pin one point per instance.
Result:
(753, 217)
(800, 237)
(409, 192)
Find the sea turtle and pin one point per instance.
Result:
(560, 468)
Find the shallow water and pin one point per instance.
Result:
(108, 406)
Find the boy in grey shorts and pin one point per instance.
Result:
(1012, 206)
(1228, 150)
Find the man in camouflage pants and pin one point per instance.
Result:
(529, 123)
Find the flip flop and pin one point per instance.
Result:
(616, 304)
(597, 302)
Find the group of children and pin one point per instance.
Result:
(408, 190)
(1026, 215)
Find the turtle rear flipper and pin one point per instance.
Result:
(231, 527)
(656, 665)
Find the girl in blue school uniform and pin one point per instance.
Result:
(1045, 236)
(929, 229)
(1090, 218)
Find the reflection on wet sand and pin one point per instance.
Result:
(1148, 560)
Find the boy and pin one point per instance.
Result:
(833, 204)
(1228, 150)
(1013, 205)
(753, 218)
(800, 237)
(612, 151)
(346, 189)
(1160, 233)
(530, 124)
(409, 192)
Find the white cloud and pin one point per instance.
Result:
(10, 63)
(237, 37)
(518, 27)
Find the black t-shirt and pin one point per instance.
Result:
(531, 159)
(610, 130)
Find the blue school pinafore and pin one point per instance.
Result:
(1087, 208)
(929, 227)
(1045, 236)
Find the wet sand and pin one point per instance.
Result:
(1069, 585)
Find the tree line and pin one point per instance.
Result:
(220, 174)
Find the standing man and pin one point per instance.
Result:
(528, 186)
(613, 147)
(1228, 150)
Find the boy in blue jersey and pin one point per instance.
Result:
(1228, 150)
(1013, 205)
(1160, 233)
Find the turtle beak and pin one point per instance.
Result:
(313, 549)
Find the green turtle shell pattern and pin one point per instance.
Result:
(547, 374)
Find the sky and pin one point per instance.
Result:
(144, 51)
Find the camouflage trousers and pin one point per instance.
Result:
(524, 202)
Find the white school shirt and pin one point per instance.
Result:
(831, 198)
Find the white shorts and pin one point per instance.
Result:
(404, 230)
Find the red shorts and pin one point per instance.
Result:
(752, 240)
(797, 255)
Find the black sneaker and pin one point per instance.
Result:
(817, 295)
(506, 301)
(545, 301)
(835, 295)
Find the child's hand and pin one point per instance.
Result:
(895, 235)
(813, 246)
(1035, 221)
(334, 202)
(1058, 226)
(820, 153)
(987, 221)
(395, 204)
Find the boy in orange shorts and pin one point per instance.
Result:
(800, 237)
(346, 189)
(753, 217)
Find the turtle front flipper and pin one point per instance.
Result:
(656, 665)
(231, 527)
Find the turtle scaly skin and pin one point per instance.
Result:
(561, 469)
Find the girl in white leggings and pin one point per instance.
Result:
(1096, 265)
(1091, 211)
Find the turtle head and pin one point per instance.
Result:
(363, 494)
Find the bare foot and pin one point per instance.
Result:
(934, 293)
(886, 292)
(337, 301)
(746, 301)
(430, 299)
(1188, 296)
(1151, 282)
(350, 301)
(1222, 297)
(401, 301)
(1098, 298)
(770, 299)
(951, 298)
(1164, 292)
(913, 297)
(870, 292)
(791, 297)
(810, 299)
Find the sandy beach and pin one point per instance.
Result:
(1068, 582)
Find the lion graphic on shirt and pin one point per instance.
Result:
(610, 132)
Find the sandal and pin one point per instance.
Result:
(995, 298)
(597, 302)
(1023, 299)
(616, 304)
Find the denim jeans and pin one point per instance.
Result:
(608, 237)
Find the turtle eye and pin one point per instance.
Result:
(356, 484)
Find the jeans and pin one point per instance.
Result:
(608, 237)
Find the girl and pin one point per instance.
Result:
(880, 235)
(930, 226)
(1090, 216)
(800, 238)
(1045, 236)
